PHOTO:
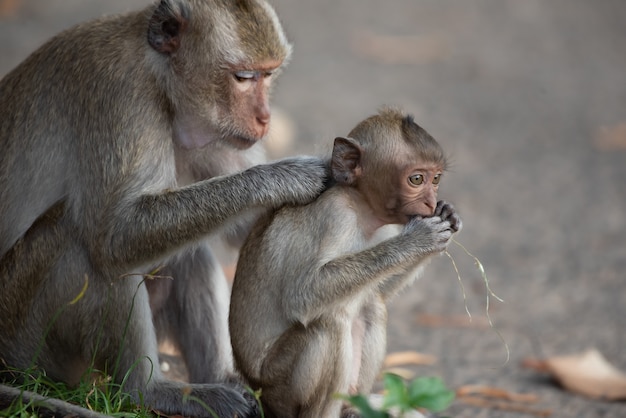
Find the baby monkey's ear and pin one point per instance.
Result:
(345, 164)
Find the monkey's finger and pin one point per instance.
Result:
(455, 222)
(439, 207)
(418, 221)
(442, 231)
(448, 213)
(445, 209)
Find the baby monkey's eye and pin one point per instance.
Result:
(416, 179)
(437, 179)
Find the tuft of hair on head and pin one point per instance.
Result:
(382, 130)
(417, 136)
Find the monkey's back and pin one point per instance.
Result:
(275, 265)
(50, 124)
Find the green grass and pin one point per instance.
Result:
(98, 394)
(96, 391)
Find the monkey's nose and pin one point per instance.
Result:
(430, 201)
(263, 120)
(430, 206)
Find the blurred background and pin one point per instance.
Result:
(529, 99)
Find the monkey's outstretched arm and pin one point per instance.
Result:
(153, 225)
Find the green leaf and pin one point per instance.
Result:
(395, 393)
(430, 393)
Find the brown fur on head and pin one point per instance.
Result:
(260, 32)
(381, 132)
(394, 163)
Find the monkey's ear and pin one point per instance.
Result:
(166, 25)
(345, 164)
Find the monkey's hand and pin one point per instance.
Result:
(433, 234)
(430, 235)
(298, 180)
(447, 212)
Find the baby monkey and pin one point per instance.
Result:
(308, 315)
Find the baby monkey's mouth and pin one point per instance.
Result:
(418, 216)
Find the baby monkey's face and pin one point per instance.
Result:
(411, 191)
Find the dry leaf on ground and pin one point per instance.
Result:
(497, 398)
(404, 373)
(409, 357)
(588, 374)
(493, 392)
(611, 138)
(8, 7)
(402, 358)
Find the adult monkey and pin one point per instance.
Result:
(94, 129)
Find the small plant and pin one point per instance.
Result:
(424, 392)
(481, 269)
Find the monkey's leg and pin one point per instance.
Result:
(139, 358)
(305, 369)
(195, 314)
(374, 344)
(368, 345)
(23, 270)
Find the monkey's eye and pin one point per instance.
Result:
(437, 179)
(242, 76)
(416, 179)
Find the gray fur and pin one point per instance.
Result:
(93, 191)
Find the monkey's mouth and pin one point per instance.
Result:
(409, 218)
(423, 215)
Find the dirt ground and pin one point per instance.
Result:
(529, 99)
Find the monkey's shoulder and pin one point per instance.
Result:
(336, 206)
(329, 218)
(332, 222)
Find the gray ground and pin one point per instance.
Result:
(529, 98)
